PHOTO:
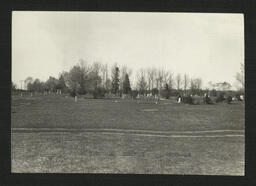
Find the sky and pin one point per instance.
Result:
(209, 46)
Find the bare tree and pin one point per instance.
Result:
(108, 80)
(240, 77)
(222, 86)
(160, 78)
(141, 81)
(195, 85)
(104, 73)
(165, 77)
(149, 78)
(152, 73)
(198, 82)
(192, 86)
(171, 80)
(178, 81)
(185, 82)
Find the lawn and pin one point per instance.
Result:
(61, 112)
(56, 134)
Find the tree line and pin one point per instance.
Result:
(98, 79)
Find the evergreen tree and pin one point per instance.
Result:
(115, 80)
(126, 84)
(61, 83)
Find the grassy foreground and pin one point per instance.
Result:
(100, 152)
(61, 112)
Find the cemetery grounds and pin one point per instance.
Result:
(55, 134)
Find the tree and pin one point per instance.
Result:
(166, 92)
(13, 86)
(123, 73)
(185, 82)
(223, 86)
(51, 84)
(240, 77)
(178, 81)
(165, 77)
(141, 81)
(83, 72)
(94, 78)
(74, 80)
(126, 85)
(104, 75)
(124, 70)
(61, 83)
(160, 78)
(198, 83)
(171, 80)
(151, 74)
(115, 80)
(108, 85)
(155, 91)
(195, 85)
(37, 86)
(27, 81)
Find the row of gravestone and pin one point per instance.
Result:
(207, 100)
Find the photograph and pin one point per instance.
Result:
(101, 92)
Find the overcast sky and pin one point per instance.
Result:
(210, 46)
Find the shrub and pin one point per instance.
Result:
(187, 99)
(196, 100)
(208, 100)
(99, 93)
(229, 99)
(134, 93)
(73, 93)
(154, 91)
(166, 92)
(220, 98)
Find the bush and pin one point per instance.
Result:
(196, 100)
(220, 98)
(208, 100)
(213, 93)
(73, 93)
(229, 99)
(99, 93)
(187, 99)
(154, 91)
(134, 93)
(166, 94)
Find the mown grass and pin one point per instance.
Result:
(61, 112)
(101, 153)
(83, 152)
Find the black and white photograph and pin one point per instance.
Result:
(127, 93)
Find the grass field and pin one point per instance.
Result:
(55, 134)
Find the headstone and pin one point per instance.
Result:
(75, 98)
(241, 97)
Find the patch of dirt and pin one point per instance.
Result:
(149, 110)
